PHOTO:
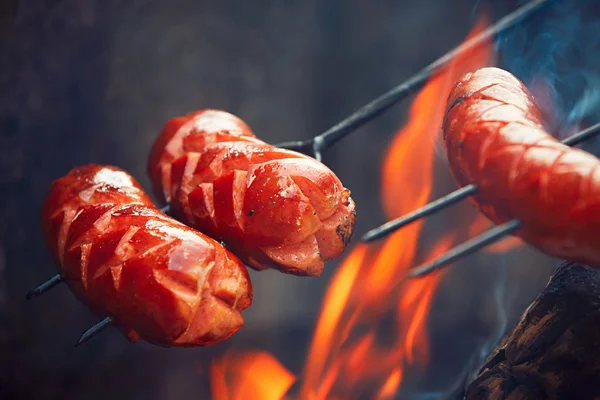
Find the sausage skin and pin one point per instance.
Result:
(158, 279)
(274, 208)
(495, 138)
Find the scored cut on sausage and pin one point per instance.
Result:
(158, 279)
(274, 208)
(495, 138)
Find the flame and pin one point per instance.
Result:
(390, 387)
(346, 354)
(350, 353)
(333, 306)
(250, 375)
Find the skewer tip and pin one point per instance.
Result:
(422, 271)
(372, 235)
(44, 287)
(166, 209)
(94, 330)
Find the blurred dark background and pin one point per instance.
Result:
(85, 81)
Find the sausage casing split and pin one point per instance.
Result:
(495, 139)
(274, 208)
(158, 279)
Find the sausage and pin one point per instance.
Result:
(274, 208)
(158, 279)
(495, 138)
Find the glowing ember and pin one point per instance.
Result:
(350, 354)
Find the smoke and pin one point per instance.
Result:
(556, 56)
(501, 303)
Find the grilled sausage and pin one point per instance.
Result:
(274, 208)
(495, 138)
(158, 279)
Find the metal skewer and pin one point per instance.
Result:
(373, 109)
(94, 330)
(464, 249)
(429, 209)
(44, 287)
(582, 136)
(484, 239)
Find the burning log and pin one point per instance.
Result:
(554, 352)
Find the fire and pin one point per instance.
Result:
(390, 387)
(251, 375)
(350, 354)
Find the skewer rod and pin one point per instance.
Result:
(428, 209)
(94, 330)
(467, 248)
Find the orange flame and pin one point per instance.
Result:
(251, 375)
(391, 385)
(349, 353)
